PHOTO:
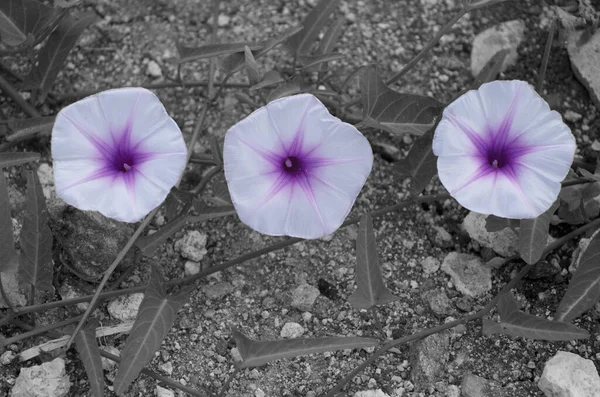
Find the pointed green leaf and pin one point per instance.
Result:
(286, 89)
(506, 305)
(420, 164)
(52, 56)
(148, 244)
(251, 67)
(20, 19)
(393, 111)
(331, 37)
(357, 71)
(215, 150)
(220, 193)
(310, 61)
(371, 289)
(494, 223)
(533, 235)
(85, 342)
(475, 4)
(24, 129)
(36, 239)
(584, 288)
(315, 21)
(9, 159)
(257, 353)
(187, 54)
(155, 318)
(9, 259)
(270, 78)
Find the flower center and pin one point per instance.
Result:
(292, 165)
(124, 161)
(497, 158)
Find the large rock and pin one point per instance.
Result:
(468, 273)
(503, 242)
(47, 380)
(429, 359)
(585, 59)
(569, 375)
(506, 35)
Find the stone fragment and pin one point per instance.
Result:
(125, 308)
(569, 375)
(192, 246)
(438, 301)
(46, 380)
(162, 392)
(429, 359)
(46, 176)
(304, 296)
(153, 69)
(223, 20)
(108, 364)
(291, 330)
(476, 386)
(507, 35)
(69, 290)
(430, 265)
(503, 242)
(7, 357)
(218, 290)
(468, 273)
(452, 391)
(371, 393)
(16, 295)
(191, 268)
(585, 58)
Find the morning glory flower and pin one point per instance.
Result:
(294, 169)
(117, 152)
(502, 151)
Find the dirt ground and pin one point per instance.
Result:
(116, 51)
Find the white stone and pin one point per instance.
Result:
(192, 246)
(506, 35)
(7, 357)
(503, 242)
(191, 268)
(569, 375)
(584, 62)
(12, 289)
(304, 296)
(371, 393)
(153, 69)
(291, 330)
(468, 273)
(430, 265)
(162, 392)
(453, 391)
(47, 380)
(125, 308)
(167, 368)
(46, 177)
(107, 363)
(223, 20)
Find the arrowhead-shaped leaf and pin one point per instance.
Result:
(257, 353)
(187, 54)
(393, 111)
(494, 223)
(86, 344)
(251, 67)
(584, 288)
(420, 163)
(17, 158)
(331, 36)
(20, 19)
(286, 89)
(155, 317)
(516, 323)
(148, 244)
(315, 21)
(52, 56)
(23, 129)
(36, 239)
(9, 259)
(533, 235)
(270, 78)
(206, 212)
(310, 61)
(371, 289)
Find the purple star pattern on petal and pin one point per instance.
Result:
(502, 151)
(117, 152)
(294, 169)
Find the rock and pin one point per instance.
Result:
(192, 246)
(569, 375)
(153, 69)
(429, 358)
(162, 392)
(506, 35)
(223, 20)
(584, 62)
(46, 177)
(387, 151)
(191, 268)
(108, 364)
(438, 301)
(442, 238)
(578, 252)
(7, 357)
(291, 330)
(47, 380)
(453, 391)
(89, 241)
(218, 290)
(371, 393)
(71, 291)
(430, 265)
(572, 116)
(476, 386)
(235, 354)
(304, 296)
(125, 308)
(503, 242)
(166, 368)
(16, 295)
(468, 273)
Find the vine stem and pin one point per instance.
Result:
(19, 100)
(544, 65)
(478, 315)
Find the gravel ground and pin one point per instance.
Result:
(256, 297)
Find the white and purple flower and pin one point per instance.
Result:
(117, 152)
(502, 151)
(294, 169)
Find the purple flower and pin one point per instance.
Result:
(502, 151)
(294, 169)
(117, 152)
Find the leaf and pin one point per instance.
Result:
(420, 164)
(148, 244)
(187, 54)
(156, 316)
(506, 305)
(494, 223)
(475, 4)
(491, 69)
(217, 153)
(9, 159)
(220, 193)
(270, 78)
(315, 21)
(351, 77)
(371, 289)
(9, 259)
(52, 56)
(533, 235)
(206, 212)
(22, 129)
(395, 112)
(20, 19)
(257, 353)
(251, 67)
(331, 37)
(287, 89)
(86, 344)
(584, 289)
(310, 61)
(36, 238)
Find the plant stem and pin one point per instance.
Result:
(544, 65)
(10, 91)
(209, 175)
(35, 331)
